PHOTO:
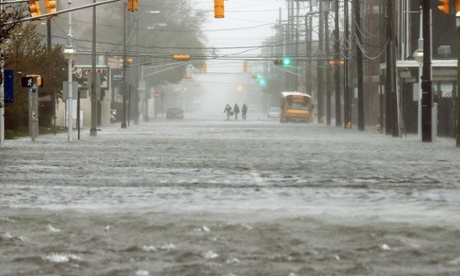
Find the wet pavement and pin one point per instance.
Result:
(216, 197)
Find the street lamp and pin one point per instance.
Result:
(141, 84)
(70, 54)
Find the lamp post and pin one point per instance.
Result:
(125, 92)
(141, 86)
(70, 54)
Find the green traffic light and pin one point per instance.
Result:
(286, 61)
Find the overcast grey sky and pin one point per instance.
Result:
(247, 23)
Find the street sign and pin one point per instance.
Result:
(156, 94)
(65, 89)
(81, 72)
(9, 86)
(27, 82)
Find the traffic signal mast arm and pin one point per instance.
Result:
(59, 12)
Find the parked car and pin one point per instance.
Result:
(175, 113)
(273, 112)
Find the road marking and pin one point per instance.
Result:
(259, 180)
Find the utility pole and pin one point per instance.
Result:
(125, 90)
(308, 38)
(328, 68)
(320, 65)
(427, 94)
(359, 61)
(347, 102)
(338, 111)
(93, 130)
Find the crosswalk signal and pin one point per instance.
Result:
(218, 8)
(50, 6)
(34, 8)
(447, 6)
(133, 5)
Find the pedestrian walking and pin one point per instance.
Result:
(228, 110)
(244, 110)
(236, 109)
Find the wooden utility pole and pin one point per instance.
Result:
(359, 61)
(338, 111)
(320, 65)
(347, 94)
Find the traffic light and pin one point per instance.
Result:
(39, 81)
(34, 8)
(50, 6)
(218, 8)
(262, 81)
(245, 67)
(181, 57)
(287, 61)
(128, 61)
(447, 6)
(204, 69)
(133, 5)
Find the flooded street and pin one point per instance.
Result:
(215, 197)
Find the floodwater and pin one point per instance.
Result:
(256, 197)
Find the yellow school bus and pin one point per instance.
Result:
(296, 107)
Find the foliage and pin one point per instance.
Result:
(29, 55)
(155, 47)
(10, 13)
